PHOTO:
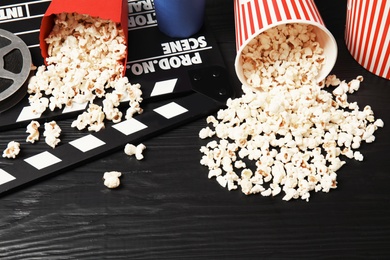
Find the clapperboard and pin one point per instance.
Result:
(23, 18)
(181, 80)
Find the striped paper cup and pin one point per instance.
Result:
(253, 17)
(367, 34)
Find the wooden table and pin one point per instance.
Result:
(167, 208)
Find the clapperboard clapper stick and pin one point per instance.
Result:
(181, 80)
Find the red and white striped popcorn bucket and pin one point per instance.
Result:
(253, 17)
(367, 34)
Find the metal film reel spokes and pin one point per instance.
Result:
(15, 67)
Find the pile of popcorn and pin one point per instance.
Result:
(283, 55)
(85, 62)
(286, 133)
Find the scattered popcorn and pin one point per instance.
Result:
(291, 129)
(358, 156)
(32, 130)
(111, 179)
(131, 149)
(206, 132)
(332, 80)
(379, 123)
(222, 181)
(51, 134)
(12, 150)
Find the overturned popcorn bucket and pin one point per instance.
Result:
(252, 17)
(114, 10)
(367, 34)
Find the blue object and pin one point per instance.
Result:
(179, 18)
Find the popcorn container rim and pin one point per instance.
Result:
(324, 37)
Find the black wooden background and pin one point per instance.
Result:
(167, 208)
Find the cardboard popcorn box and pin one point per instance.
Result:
(367, 35)
(253, 17)
(114, 10)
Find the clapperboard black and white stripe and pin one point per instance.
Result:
(94, 145)
(184, 79)
(23, 18)
(21, 114)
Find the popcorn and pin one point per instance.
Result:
(85, 62)
(111, 179)
(285, 54)
(12, 150)
(332, 80)
(222, 181)
(33, 131)
(93, 118)
(286, 133)
(51, 133)
(358, 156)
(131, 149)
(206, 132)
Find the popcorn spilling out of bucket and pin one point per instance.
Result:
(114, 10)
(367, 34)
(254, 17)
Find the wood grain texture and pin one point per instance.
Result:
(167, 208)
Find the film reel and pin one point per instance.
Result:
(15, 67)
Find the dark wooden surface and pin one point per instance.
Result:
(167, 208)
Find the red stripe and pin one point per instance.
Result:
(376, 33)
(348, 28)
(353, 30)
(384, 51)
(318, 14)
(286, 10)
(367, 52)
(277, 11)
(252, 26)
(238, 25)
(387, 54)
(260, 21)
(362, 31)
(304, 10)
(267, 12)
(244, 21)
(386, 59)
(356, 34)
(382, 42)
(313, 10)
(296, 11)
